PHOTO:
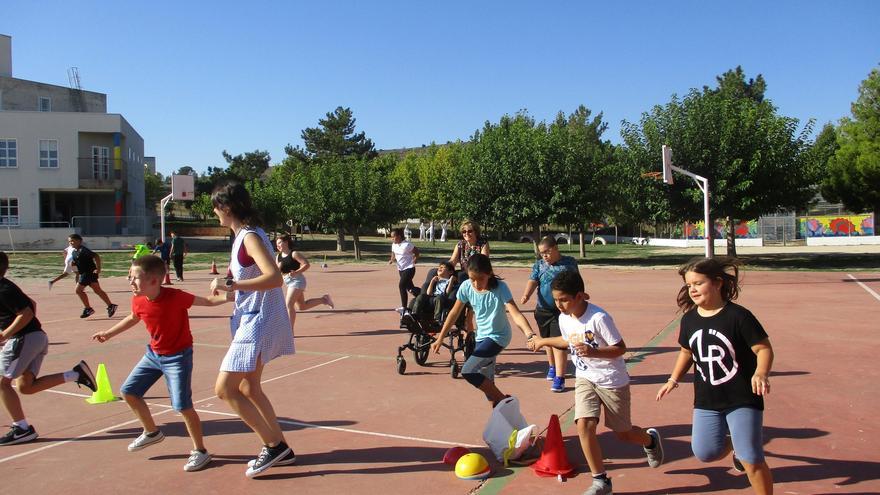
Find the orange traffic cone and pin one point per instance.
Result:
(554, 460)
(214, 267)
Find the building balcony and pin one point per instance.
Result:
(97, 173)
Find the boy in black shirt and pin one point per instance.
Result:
(24, 344)
(88, 264)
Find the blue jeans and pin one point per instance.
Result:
(709, 436)
(177, 369)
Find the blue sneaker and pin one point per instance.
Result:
(558, 384)
(551, 373)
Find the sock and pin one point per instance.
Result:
(203, 451)
(151, 435)
(23, 424)
(70, 376)
(602, 477)
(652, 444)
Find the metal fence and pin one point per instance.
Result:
(112, 225)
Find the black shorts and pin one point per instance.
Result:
(87, 279)
(548, 322)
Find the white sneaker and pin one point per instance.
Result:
(144, 441)
(400, 310)
(329, 301)
(197, 460)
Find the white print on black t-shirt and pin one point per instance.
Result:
(714, 357)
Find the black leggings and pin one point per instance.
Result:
(406, 284)
(178, 266)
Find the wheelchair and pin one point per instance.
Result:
(422, 333)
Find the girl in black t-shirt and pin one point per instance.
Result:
(732, 357)
(292, 265)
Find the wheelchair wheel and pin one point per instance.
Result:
(454, 369)
(423, 345)
(469, 344)
(401, 365)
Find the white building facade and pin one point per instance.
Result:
(65, 164)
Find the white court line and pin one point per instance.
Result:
(870, 291)
(57, 444)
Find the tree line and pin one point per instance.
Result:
(518, 173)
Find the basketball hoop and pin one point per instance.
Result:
(652, 175)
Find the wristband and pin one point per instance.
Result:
(674, 382)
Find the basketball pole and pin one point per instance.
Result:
(703, 184)
(162, 205)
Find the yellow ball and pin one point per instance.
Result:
(472, 467)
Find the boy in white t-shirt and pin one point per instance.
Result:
(601, 379)
(405, 254)
(68, 266)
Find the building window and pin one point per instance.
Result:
(100, 162)
(8, 153)
(8, 211)
(48, 153)
(45, 104)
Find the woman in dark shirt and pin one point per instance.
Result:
(292, 265)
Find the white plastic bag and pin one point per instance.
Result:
(507, 433)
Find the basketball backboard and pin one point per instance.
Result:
(182, 187)
(667, 164)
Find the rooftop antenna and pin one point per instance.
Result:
(73, 78)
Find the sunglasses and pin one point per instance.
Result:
(467, 231)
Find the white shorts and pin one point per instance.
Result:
(68, 267)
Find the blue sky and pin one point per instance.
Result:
(195, 78)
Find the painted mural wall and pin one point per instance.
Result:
(836, 225)
(743, 230)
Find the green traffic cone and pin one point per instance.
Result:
(105, 391)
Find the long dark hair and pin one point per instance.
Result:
(480, 263)
(721, 268)
(285, 238)
(235, 197)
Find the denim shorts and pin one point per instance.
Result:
(744, 424)
(177, 369)
(297, 281)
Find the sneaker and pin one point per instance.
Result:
(197, 460)
(284, 461)
(145, 440)
(87, 312)
(737, 465)
(655, 455)
(407, 319)
(329, 301)
(111, 310)
(400, 310)
(269, 456)
(18, 435)
(551, 373)
(558, 384)
(599, 487)
(85, 376)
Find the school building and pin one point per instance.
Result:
(65, 164)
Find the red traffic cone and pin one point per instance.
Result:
(554, 460)
(214, 267)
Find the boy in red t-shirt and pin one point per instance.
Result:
(170, 353)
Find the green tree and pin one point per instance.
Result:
(581, 167)
(334, 137)
(333, 140)
(755, 159)
(246, 167)
(202, 206)
(154, 190)
(853, 175)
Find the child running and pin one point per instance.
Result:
(292, 265)
(733, 358)
(488, 295)
(88, 264)
(169, 353)
(405, 254)
(25, 344)
(68, 266)
(601, 379)
(544, 270)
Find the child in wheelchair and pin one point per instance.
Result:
(426, 315)
(438, 294)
